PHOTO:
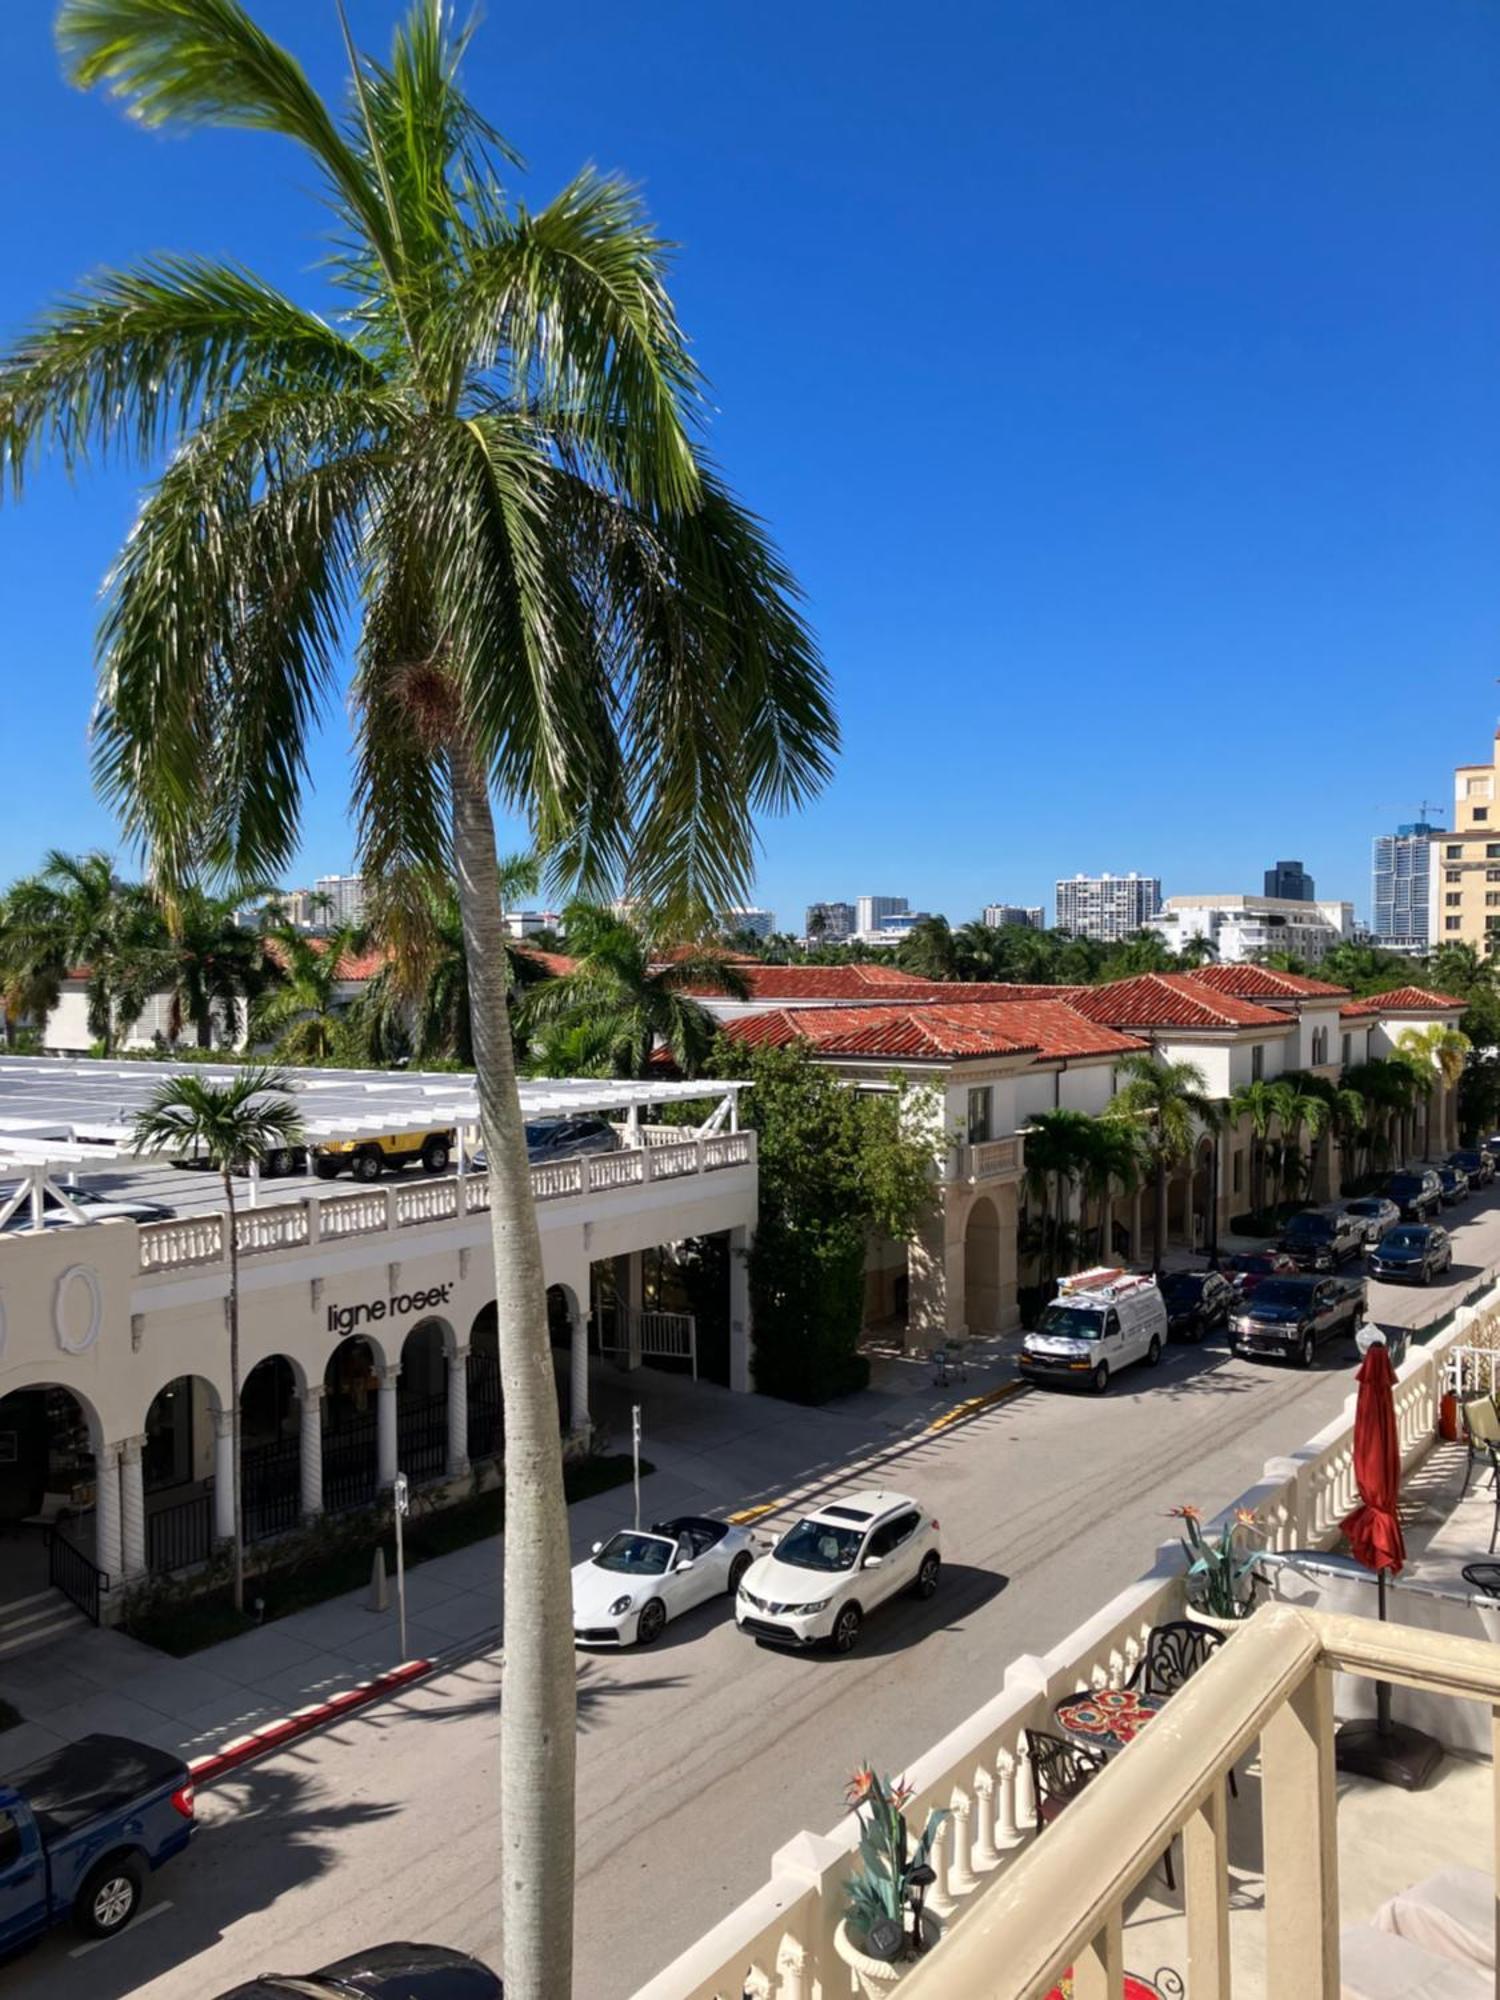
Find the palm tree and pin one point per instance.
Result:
(209, 963)
(1436, 1055)
(490, 449)
(1386, 1089)
(230, 1125)
(633, 997)
(1111, 1164)
(1459, 968)
(1166, 1103)
(1295, 1107)
(76, 916)
(927, 950)
(1256, 1102)
(1196, 951)
(303, 1017)
(1055, 1156)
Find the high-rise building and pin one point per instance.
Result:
(1241, 928)
(999, 916)
(828, 923)
(1464, 893)
(1289, 882)
(344, 899)
(755, 923)
(870, 912)
(1401, 886)
(1107, 907)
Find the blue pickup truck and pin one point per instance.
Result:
(80, 1828)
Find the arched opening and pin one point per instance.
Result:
(177, 1472)
(422, 1401)
(270, 1449)
(982, 1268)
(484, 1386)
(48, 1438)
(351, 1465)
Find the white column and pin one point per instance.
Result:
(224, 1475)
(458, 1412)
(739, 1310)
(578, 1374)
(310, 1449)
(132, 1509)
(386, 1420)
(107, 1549)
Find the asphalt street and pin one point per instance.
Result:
(699, 1757)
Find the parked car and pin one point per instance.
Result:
(80, 1828)
(1294, 1317)
(1414, 1254)
(1100, 1322)
(1476, 1163)
(822, 1578)
(96, 1207)
(627, 1589)
(382, 1972)
(1246, 1269)
(1455, 1185)
(1320, 1239)
(1377, 1213)
(1196, 1301)
(562, 1139)
(1417, 1192)
(368, 1158)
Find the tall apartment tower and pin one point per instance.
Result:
(829, 923)
(345, 899)
(1465, 891)
(872, 911)
(1000, 916)
(1290, 881)
(1107, 907)
(1401, 886)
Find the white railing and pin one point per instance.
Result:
(427, 1201)
(779, 1944)
(670, 1162)
(558, 1177)
(648, 1336)
(281, 1228)
(177, 1245)
(352, 1214)
(730, 1149)
(990, 1159)
(1473, 1371)
(611, 1170)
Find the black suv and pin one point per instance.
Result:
(1196, 1301)
(1417, 1192)
(1476, 1163)
(1320, 1239)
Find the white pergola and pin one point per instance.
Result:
(57, 1116)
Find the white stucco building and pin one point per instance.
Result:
(1241, 929)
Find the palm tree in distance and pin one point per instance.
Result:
(1165, 1103)
(491, 450)
(232, 1126)
(303, 1017)
(210, 964)
(75, 916)
(1256, 1103)
(1435, 1055)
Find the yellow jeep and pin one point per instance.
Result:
(367, 1159)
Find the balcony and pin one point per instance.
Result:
(990, 1160)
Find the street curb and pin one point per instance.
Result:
(286, 1729)
(974, 1405)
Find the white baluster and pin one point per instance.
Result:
(962, 1880)
(791, 1969)
(1007, 1829)
(939, 1901)
(984, 1853)
(759, 1984)
(1025, 1794)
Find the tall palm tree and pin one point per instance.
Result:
(927, 951)
(1460, 968)
(490, 450)
(1056, 1156)
(210, 964)
(230, 1125)
(75, 915)
(1256, 1103)
(303, 1016)
(1166, 1103)
(1295, 1108)
(1435, 1055)
(632, 996)
(1387, 1090)
(1111, 1165)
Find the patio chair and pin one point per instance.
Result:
(1059, 1772)
(1173, 1654)
(1483, 1577)
(1481, 1435)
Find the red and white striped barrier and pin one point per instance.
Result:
(273, 1735)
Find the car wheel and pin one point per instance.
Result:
(927, 1576)
(846, 1629)
(737, 1570)
(435, 1156)
(109, 1898)
(1100, 1378)
(281, 1162)
(650, 1624)
(1308, 1351)
(367, 1166)
(1153, 1351)
(327, 1170)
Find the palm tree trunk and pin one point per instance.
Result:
(537, 1750)
(1160, 1217)
(234, 1389)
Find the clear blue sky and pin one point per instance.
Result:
(1122, 381)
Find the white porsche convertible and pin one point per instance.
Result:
(625, 1592)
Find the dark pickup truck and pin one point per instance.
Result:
(80, 1828)
(1294, 1316)
(1321, 1239)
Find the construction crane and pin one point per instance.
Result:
(1394, 805)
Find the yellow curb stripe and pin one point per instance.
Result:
(747, 1514)
(974, 1404)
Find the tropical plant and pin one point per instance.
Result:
(490, 450)
(230, 1126)
(883, 1891)
(928, 952)
(1256, 1103)
(1295, 1108)
(304, 1018)
(1386, 1089)
(209, 965)
(76, 917)
(633, 995)
(1166, 1103)
(1056, 1156)
(1217, 1568)
(1436, 1056)
(1111, 1165)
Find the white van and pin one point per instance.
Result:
(1099, 1323)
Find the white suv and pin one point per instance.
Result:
(824, 1575)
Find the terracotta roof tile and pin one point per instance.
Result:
(1260, 982)
(1171, 1000)
(925, 1031)
(1402, 1000)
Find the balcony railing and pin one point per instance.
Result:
(198, 1240)
(991, 1159)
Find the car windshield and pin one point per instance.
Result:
(1405, 1239)
(1309, 1225)
(820, 1545)
(1079, 1322)
(1363, 1208)
(1280, 1292)
(636, 1555)
(1183, 1287)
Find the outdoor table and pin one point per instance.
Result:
(1107, 1718)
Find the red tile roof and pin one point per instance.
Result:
(926, 1031)
(1402, 1000)
(1260, 982)
(829, 982)
(1170, 1000)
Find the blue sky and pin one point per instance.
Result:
(1123, 383)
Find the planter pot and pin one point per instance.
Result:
(878, 1976)
(1196, 1615)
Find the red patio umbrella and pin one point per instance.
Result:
(1381, 1749)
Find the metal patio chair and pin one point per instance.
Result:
(1059, 1772)
(1174, 1653)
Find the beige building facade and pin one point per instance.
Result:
(1464, 899)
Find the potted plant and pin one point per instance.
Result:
(885, 1925)
(1220, 1574)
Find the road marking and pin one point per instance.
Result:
(156, 1910)
(974, 1404)
(752, 1513)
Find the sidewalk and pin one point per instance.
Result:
(714, 1453)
